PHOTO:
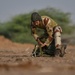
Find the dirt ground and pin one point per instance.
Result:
(15, 59)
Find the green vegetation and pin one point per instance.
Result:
(18, 29)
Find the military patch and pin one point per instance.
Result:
(46, 21)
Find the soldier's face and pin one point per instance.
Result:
(36, 23)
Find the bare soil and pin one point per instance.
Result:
(15, 59)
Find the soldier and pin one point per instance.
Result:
(52, 31)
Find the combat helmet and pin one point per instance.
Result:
(35, 17)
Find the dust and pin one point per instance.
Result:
(15, 59)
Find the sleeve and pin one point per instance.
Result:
(33, 32)
(49, 30)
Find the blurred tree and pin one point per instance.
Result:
(18, 29)
(63, 19)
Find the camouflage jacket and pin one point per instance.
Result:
(47, 24)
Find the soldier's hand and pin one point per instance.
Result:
(39, 42)
(43, 45)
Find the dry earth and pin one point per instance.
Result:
(15, 59)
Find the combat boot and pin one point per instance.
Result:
(61, 50)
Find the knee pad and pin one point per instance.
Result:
(57, 36)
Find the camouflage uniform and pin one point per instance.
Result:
(49, 40)
(51, 32)
(47, 25)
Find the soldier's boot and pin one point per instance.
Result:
(61, 50)
(58, 50)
